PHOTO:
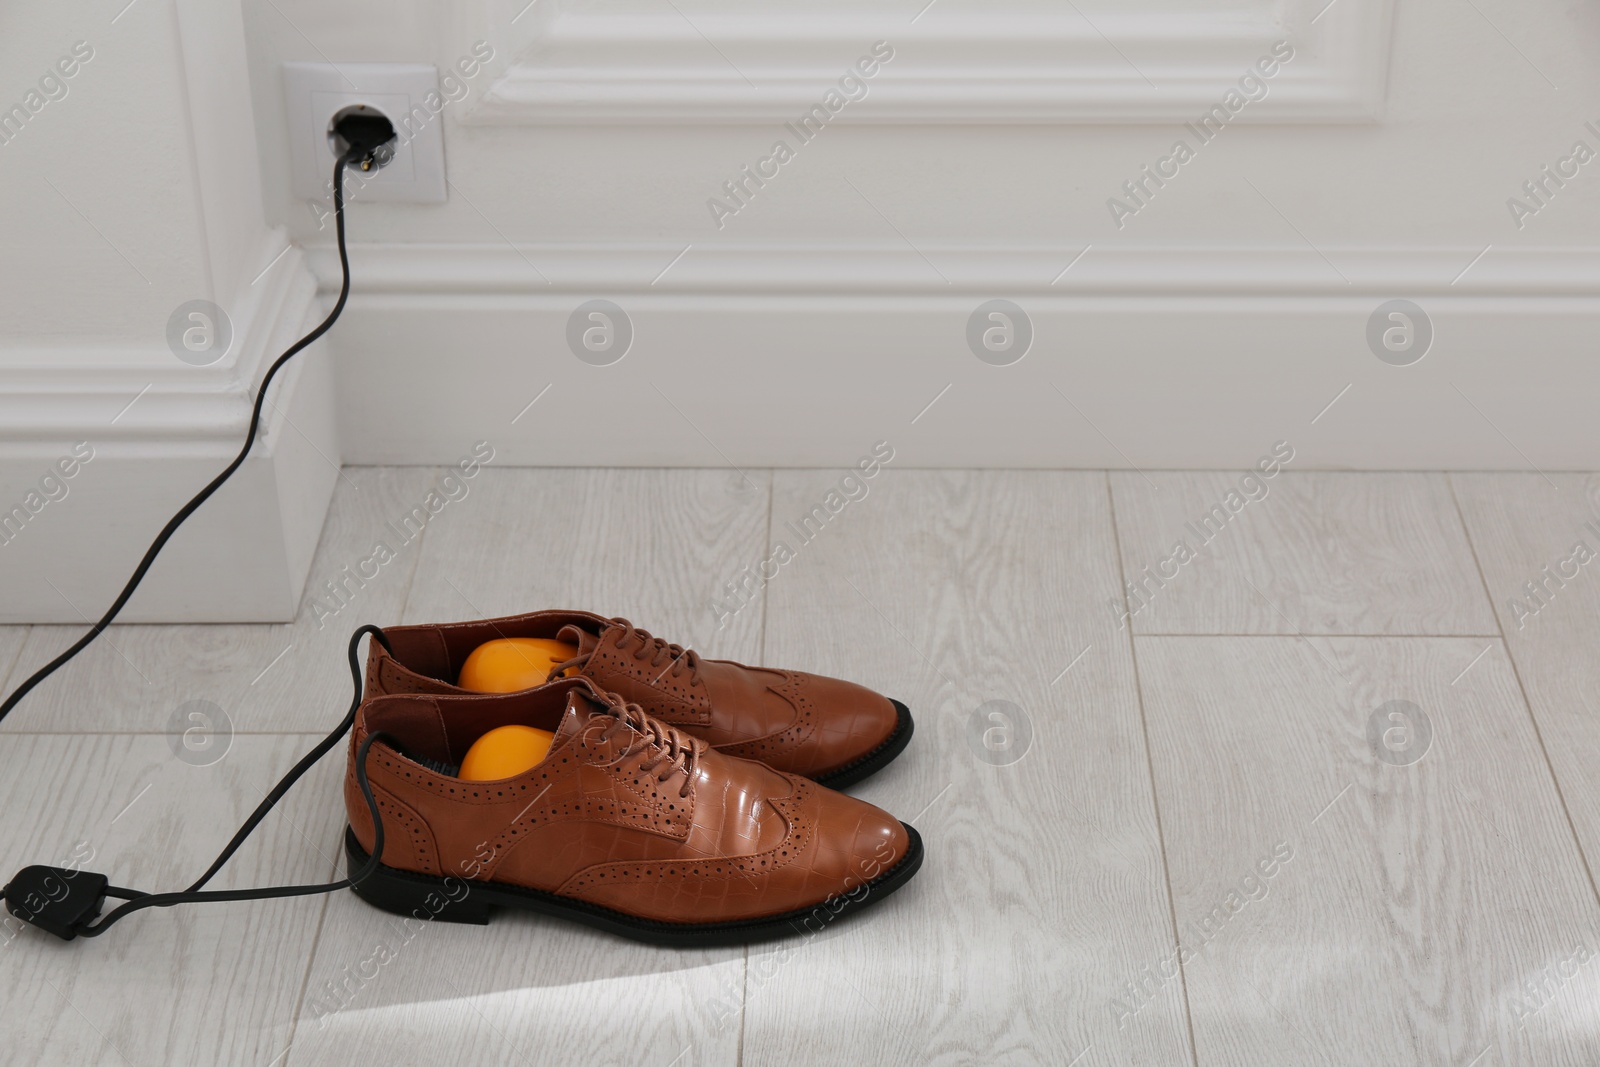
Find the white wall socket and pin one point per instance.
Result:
(406, 93)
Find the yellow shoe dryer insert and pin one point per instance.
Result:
(509, 665)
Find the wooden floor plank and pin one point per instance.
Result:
(1527, 531)
(1303, 552)
(201, 984)
(653, 546)
(1043, 888)
(523, 990)
(12, 638)
(1401, 911)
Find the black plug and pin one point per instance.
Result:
(56, 899)
(363, 136)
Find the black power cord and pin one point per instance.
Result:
(65, 901)
(366, 139)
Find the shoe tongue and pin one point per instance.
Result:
(583, 706)
(579, 710)
(585, 641)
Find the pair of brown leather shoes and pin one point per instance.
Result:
(651, 816)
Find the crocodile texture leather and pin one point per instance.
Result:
(803, 723)
(644, 820)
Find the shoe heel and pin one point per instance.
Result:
(419, 896)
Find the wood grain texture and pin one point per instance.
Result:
(648, 544)
(12, 638)
(1320, 553)
(1527, 530)
(1417, 899)
(269, 678)
(1043, 888)
(1429, 912)
(654, 546)
(202, 984)
(523, 990)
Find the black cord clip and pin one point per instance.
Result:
(57, 899)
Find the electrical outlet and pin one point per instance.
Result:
(406, 94)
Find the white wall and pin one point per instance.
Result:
(826, 313)
(131, 187)
(1467, 121)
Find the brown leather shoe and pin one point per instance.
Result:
(627, 825)
(835, 733)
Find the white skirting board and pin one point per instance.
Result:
(244, 556)
(1142, 357)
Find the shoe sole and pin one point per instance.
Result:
(460, 900)
(878, 758)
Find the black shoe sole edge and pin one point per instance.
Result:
(425, 897)
(878, 758)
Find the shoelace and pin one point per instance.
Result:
(667, 745)
(677, 659)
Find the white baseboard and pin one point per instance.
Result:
(1143, 357)
(244, 556)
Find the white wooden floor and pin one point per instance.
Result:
(1222, 775)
